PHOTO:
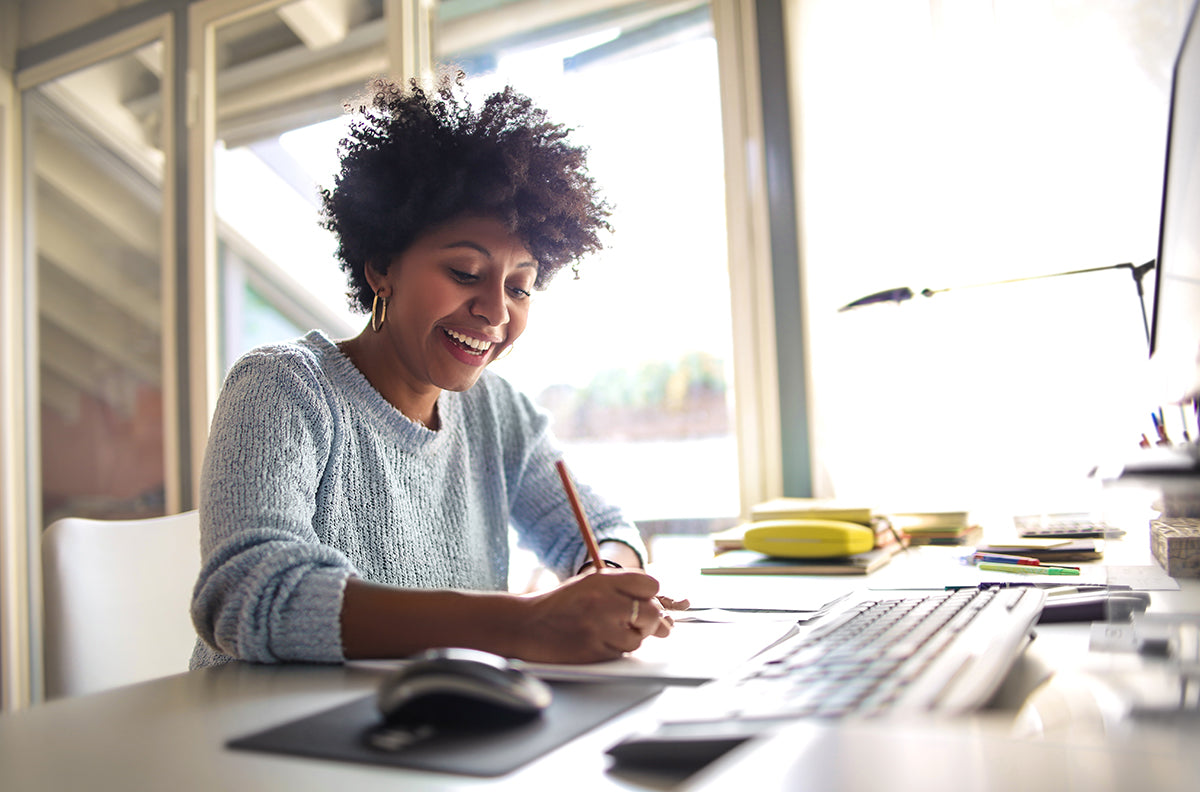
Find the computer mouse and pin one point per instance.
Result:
(461, 689)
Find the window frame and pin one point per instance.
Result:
(406, 22)
(14, 622)
(762, 237)
(21, 523)
(191, 340)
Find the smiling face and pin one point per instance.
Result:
(456, 298)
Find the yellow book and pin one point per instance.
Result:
(790, 509)
(810, 509)
(917, 522)
(748, 562)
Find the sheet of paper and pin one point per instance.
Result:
(1017, 541)
(740, 592)
(723, 616)
(692, 654)
(1142, 578)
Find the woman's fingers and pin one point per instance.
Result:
(649, 617)
(674, 604)
(598, 616)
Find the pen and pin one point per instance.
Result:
(586, 530)
(1001, 558)
(1078, 587)
(991, 566)
(1006, 559)
(1160, 428)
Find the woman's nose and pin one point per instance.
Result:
(490, 304)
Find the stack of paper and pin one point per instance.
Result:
(800, 509)
(936, 528)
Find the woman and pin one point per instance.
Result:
(356, 496)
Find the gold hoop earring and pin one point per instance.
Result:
(504, 353)
(378, 312)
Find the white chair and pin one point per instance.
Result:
(116, 598)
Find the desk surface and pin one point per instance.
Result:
(170, 734)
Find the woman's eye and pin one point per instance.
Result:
(464, 277)
(523, 294)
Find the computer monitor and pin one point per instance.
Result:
(1175, 333)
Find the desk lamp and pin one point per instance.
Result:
(904, 293)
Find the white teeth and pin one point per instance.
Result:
(473, 343)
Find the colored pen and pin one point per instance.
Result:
(1160, 428)
(1001, 558)
(1079, 587)
(586, 530)
(991, 566)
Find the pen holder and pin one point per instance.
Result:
(1175, 543)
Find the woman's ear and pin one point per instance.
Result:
(374, 274)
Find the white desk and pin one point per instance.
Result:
(169, 734)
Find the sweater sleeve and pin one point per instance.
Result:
(269, 590)
(541, 513)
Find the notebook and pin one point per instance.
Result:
(748, 562)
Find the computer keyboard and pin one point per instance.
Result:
(943, 653)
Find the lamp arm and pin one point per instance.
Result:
(1137, 272)
(903, 294)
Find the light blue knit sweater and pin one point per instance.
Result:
(310, 476)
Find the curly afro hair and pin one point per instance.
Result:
(414, 159)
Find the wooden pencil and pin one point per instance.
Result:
(586, 530)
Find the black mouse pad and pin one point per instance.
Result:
(341, 733)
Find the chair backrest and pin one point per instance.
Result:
(116, 599)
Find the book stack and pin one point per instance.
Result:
(936, 528)
(747, 562)
(810, 509)
(733, 558)
(794, 509)
(1051, 551)
(886, 535)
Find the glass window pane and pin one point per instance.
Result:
(96, 203)
(634, 357)
(282, 78)
(980, 143)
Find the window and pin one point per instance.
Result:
(952, 144)
(281, 79)
(639, 349)
(633, 358)
(94, 192)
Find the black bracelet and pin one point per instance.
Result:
(607, 563)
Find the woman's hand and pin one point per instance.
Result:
(593, 617)
(674, 604)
